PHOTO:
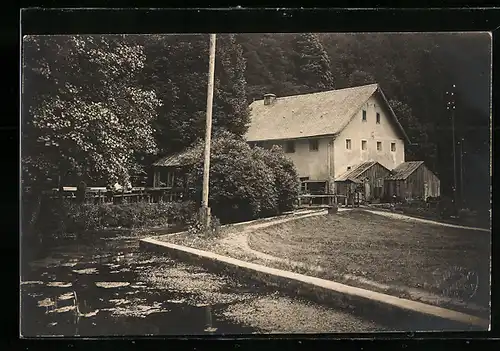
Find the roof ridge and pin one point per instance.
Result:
(322, 92)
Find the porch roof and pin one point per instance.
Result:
(404, 170)
(174, 160)
(356, 171)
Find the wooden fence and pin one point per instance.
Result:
(103, 195)
(322, 199)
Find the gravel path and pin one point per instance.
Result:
(239, 239)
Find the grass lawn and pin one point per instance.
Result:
(409, 259)
(393, 252)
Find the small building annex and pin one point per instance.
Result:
(412, 180)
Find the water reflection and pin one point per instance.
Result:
(112, 288)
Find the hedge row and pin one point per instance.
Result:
(73, 218)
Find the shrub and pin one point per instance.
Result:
(446, 207)
(242, 185)
(285, 176)
(64, 216)
(196, 227)
(465, 213)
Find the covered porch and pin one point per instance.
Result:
(171, 174)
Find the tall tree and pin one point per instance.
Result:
(177, 69)
(312, 62)
(415, 70)
(359, 77)
(84, 111)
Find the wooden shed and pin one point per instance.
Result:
(412, 180)
(367, 177)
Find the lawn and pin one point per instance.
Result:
(405, 258)
(401, 254)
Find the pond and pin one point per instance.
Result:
(109, 287)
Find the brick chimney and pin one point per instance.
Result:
(269, 99)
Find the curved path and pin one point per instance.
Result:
(238, 240)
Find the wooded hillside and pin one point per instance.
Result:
(415, 71)
(98, 107)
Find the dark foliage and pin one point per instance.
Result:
(244, 183)
(177, 70)
(285, 176)
(415, 71)
(61, 217)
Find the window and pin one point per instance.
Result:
(313, 145)
(348, 144)
(393, 147)
(378, 118)
(379, 146)
(364, 115)
(290, 147)
(363, 144)
(348, 168)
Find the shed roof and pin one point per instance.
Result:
(307, 115)
(404, 170)
(356, 171)
(173, 160)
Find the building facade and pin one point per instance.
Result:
(329, 133)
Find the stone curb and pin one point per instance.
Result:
(291, 215)
(340, 294)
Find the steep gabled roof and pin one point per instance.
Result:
(356, 171)
(308, 115)
(404, 170)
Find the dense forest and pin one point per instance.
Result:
(100, 106)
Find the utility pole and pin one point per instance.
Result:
(462, 197)
(451, 106)
(205, 210)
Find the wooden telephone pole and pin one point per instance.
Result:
(205, 210)
(462, 197)
(451, 107)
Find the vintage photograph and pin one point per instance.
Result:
(238, 184)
